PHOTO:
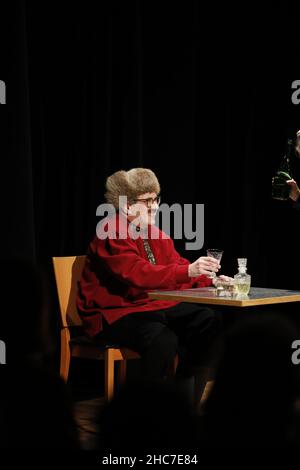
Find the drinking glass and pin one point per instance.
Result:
(214, 253)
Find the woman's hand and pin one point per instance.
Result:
(223, 278)
(204, 265)
(295, 191)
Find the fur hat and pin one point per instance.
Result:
(298, 134)
(130, 183)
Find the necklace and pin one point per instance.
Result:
(149, 252)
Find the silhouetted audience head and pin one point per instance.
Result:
(35, 407)
(35, 410)
(252, 403)
(148, 415)
(24, 321)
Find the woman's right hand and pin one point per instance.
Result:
(204, 265)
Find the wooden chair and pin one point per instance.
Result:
(67, 271)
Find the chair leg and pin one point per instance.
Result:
(65, 354)
(175, 365)
(109, 373)
(172, 371)
(207, 390)
(203, 383)
(122, 372)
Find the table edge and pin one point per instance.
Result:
(224, 300)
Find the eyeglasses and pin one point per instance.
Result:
(149, 201)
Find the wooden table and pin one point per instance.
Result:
(258, 296)
(207, 295)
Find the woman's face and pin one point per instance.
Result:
(143, 209)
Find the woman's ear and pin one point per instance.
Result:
(125, 208)
(129, 211)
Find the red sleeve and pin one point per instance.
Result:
(175, 256)
(122, 258)
(200, 281)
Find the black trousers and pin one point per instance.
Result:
(186, 329)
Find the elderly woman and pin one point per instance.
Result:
(133, 258)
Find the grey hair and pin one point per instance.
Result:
(130, 183)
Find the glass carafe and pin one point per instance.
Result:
(242, 279)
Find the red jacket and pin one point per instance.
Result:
(117, 276)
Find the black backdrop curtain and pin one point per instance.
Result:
(201, 96)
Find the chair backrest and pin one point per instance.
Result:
(67, 270)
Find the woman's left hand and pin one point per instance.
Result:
(223, 278)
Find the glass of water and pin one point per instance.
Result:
(214, 253)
